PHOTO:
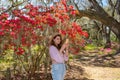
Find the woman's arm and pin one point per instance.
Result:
(62, 48)
(65, 46)
(54, 54)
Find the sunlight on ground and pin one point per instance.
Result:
(103, 73)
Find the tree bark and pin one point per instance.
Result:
(106, 20)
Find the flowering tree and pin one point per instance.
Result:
(27, 33)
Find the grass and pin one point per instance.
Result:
(90, 47)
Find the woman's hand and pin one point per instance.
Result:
(64, 46)
(67, 43)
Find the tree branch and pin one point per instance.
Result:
(101, 16)
(10, 8)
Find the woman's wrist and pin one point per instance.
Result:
(66, 54)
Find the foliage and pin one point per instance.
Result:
(27, 34)
(90, 47)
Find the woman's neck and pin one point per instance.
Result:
(56, 45)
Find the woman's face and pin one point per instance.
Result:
(57, 40)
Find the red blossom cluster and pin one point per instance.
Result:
(19, 51)
(51, 21)
(24, 29)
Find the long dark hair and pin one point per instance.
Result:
(53, 43)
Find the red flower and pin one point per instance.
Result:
(73, 13)
(40, 27)
(20, 51)
(62, 32)
(61, 18)
(74, 50)
(65, 5)
(7, 22)
(85, 34)
(71, 7)
(0, 22)
(23, 40)
(4, 16)
(17, 12)
(12, 34)
(57, 14)
(51, 21)
(2, 31)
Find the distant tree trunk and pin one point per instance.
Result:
(108, 40)
(99, 32)
(118, 7)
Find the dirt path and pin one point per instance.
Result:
(79, 71)
(102, 73)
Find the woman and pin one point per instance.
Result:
(58, 54)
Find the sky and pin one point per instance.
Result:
(104, 2)
(35, 2)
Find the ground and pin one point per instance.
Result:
(83, 72)
(89, 65)
(103, 73)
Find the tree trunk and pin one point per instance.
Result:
(107, 35)
(108, 21)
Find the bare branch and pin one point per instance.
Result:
(111, 3)
(97, 7)
(118, 6)
(10, 8)
(113, 6)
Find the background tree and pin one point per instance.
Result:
(95, 10)
(27, 32)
